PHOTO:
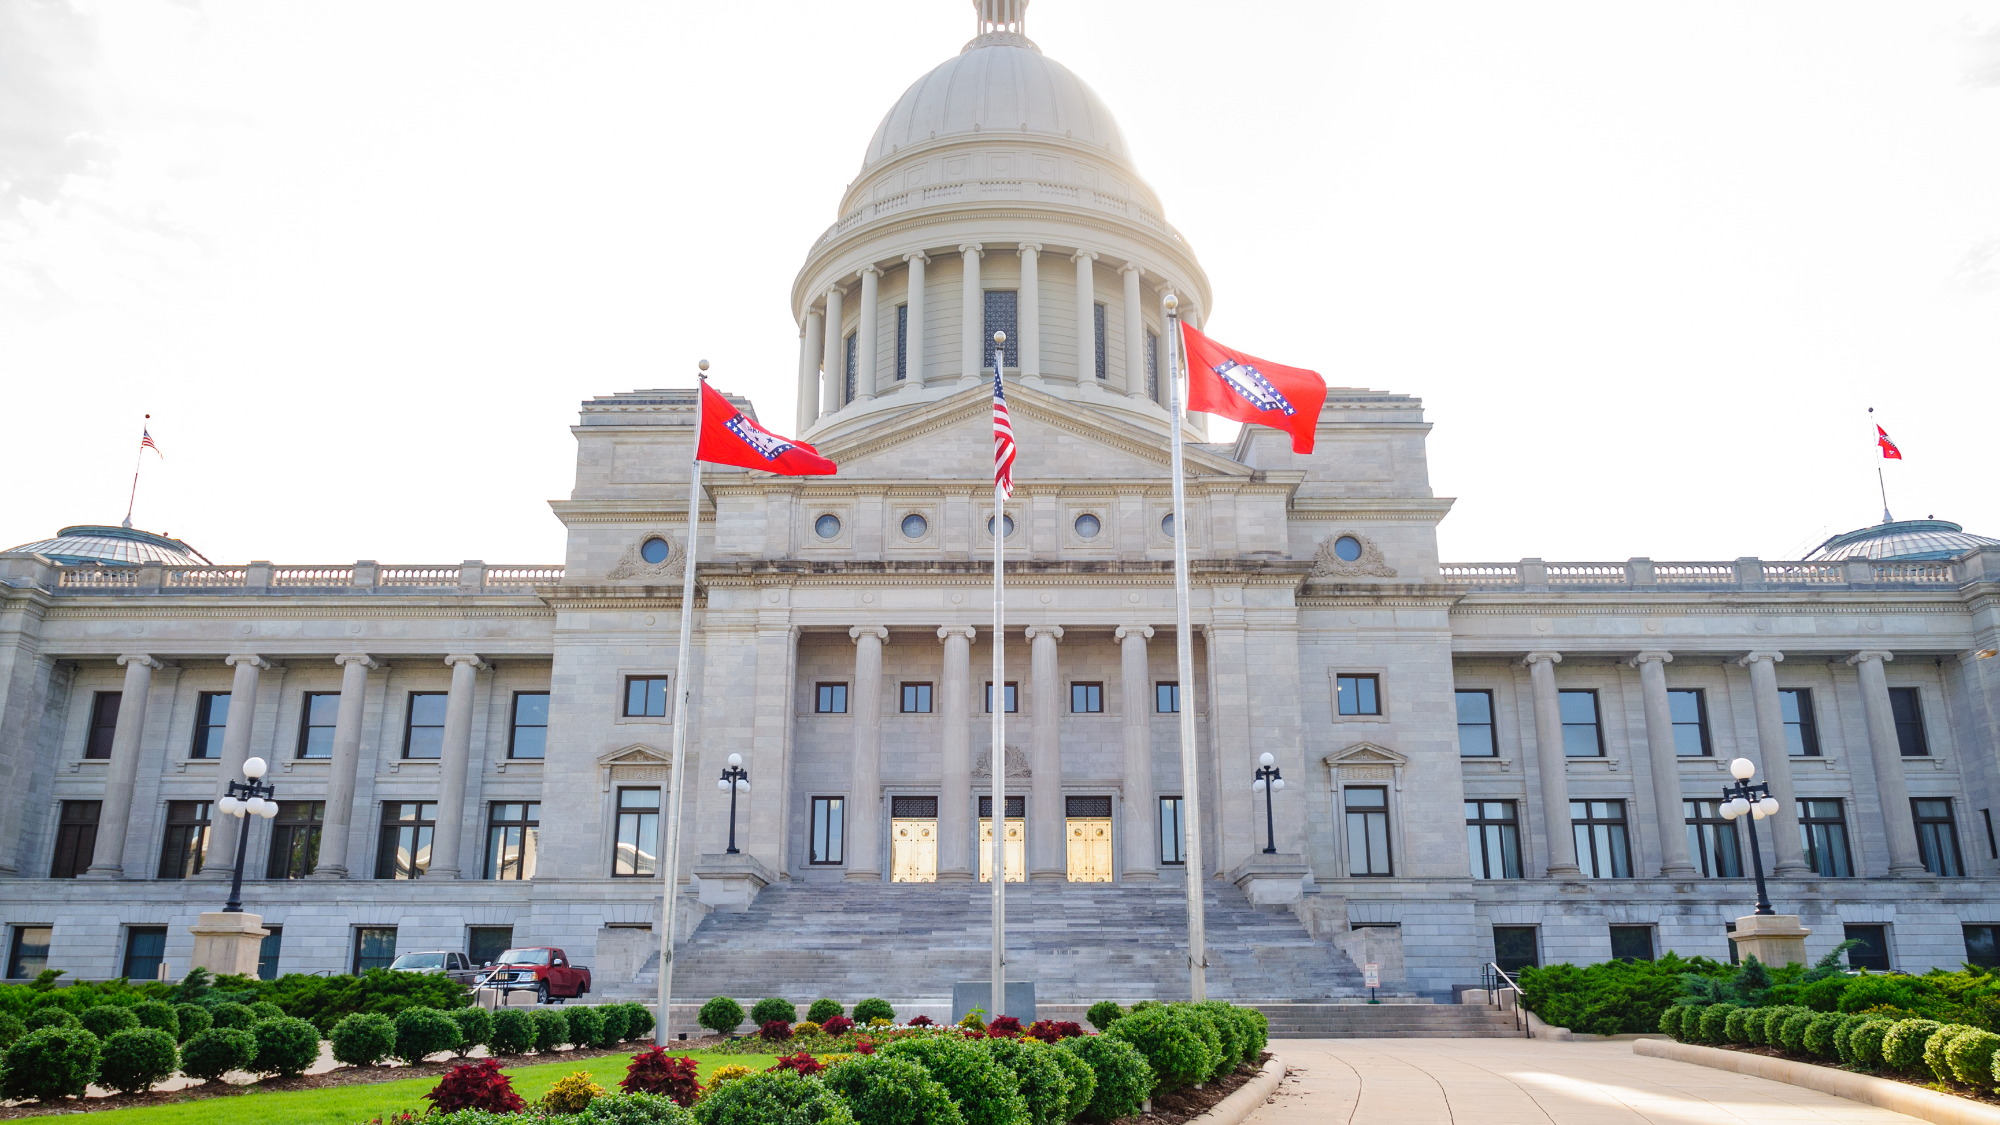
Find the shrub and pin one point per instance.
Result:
(1818, 1038)
(586, 1026)
(51, 1016)
(1937, 1050)
(1203, 1025)
(616, 1018)
(840, 1025)
(327, 1000)
(1053, 1031)
(364, 1039)
(1774, 1021)
(232, 1015)
(49, 1063)
(639, 1021)
(105, 1020)
(571, 1093)
(551, 1029)
(1082, 1082)
(806, 1027)
(1124, 1080)
(265, 1010)
(1670, 1021)
(801, 1062)
(1615, 996)
(1221, 1014)
(478, 1085)
(513, 1032)
(774, 1097)
(1864, 1043)
(1903, 1046)
(285, 1046)
(864, 1046)
(1754, 1025)
(192, 1019)
(728, 1074)
(1733, 1029)
(824, 1009)
(423, 1032)
(971, 1021)
(984, 1090)
(1004, 1027)
(720, 1015)
(158, 1015)
(775, 1031)
(885, 1090)
(922, 1021)
(216, 1051)
(636, 1109)
(1042, 1081)
(1256, 1033)
(773, 1008)
(1971, 1058)
(1171, 1047)
(11, 1028)
(1713, 1019)
(475, 1027)
(872, 1009)
(1792, 1031)
(656, 1072)
(1842, 1043)
(1102, 1013)
(134, 1059)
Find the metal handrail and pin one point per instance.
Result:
(1491, 976)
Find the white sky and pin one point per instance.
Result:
(1648, 264)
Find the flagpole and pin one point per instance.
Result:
(996, 701)
(678, 777)
(138, 460)
(1879, 482)
(1184, 653)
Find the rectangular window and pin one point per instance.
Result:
(853, 362)
(1907, 706)
(1167, 697)
(1356, 695)
(1086, 699)
(1103, 359)
(485, 944)
(1689, 709)
(1475, 725)
(76, 839)
(1493, 837)
(1153, 366)
(1823, 831)
(513, 829)
(1873, 952)
(1013, 697)
(1096, 808)
(211, 717)
(268, 951)
(1801, 733)
(1631, 943)
(186, 847)
(318, 715)
(916, 699)
(1367, 831)
(828, 834)
(295, 839)
(1002, 315)
(29, 954)
(103, 724)
(1937, 836)
(645, 697)
(1582, 737)
(1601, 847)
(1173, 831)
(423, 731)
(832, 699)
(530, 736)
(1982, 945)
(1017, 807)
(145, 952)
(915, 808)
(374, 947)
(902, 342)
(1514, 948)
(638, 834)
(408, 828)
(1712, 841)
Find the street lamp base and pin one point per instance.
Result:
(228, 942)
(1774, 939)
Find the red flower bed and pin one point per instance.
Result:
(656, 1072)
(923, 1021)
(480, 1086)
(1003, 1027)
(776, 1031)
(838, 1025)
(1051, 1031)
(801, 1062)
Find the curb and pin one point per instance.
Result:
(1252, 1094)
(1925, 1105)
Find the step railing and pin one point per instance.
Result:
(1496, 981)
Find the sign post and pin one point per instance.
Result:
(1371, 978)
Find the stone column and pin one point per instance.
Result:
(452, 764)
(811, 342)
(972, 315)
(864, 791)
(1048, 847)
(1135, 330)
(122, 772)
(1554, 765)
(1142, 839)
(1670, 816)
(338, 822)
(833, 356)
(1086, 315)
(1890, 787)
(221, 862)
(1029, 311)
(1789, 852)
(955, 801)
(913, 364)
(865, 333)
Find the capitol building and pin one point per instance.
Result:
(1516, 762)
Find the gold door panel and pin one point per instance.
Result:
(913, 851)
(1016, 846)
(1089, 850)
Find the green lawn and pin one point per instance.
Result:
(352, 1105)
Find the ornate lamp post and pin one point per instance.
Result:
(1756, 800)
(250, 797)
(1268, 781)
(735, 780)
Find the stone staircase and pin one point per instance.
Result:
(1078, 942)
(1389, 1021)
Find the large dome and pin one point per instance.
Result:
(95, 543)
(1903, 540)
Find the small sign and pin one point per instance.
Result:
(1371, 975)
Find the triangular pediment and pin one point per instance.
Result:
(637, 754)
(1365, 754)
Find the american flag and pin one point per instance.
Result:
(1003, 438)
(146, 442)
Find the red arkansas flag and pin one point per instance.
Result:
(728, 437)
(1228, 382)
(1889, 450)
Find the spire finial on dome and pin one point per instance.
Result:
(1001, 16)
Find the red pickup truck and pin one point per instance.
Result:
(542, 968)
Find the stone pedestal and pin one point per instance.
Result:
(729, 882)
(1272, 880)
(1774, 939)
(228, 943)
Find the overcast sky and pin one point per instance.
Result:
(1647, 264)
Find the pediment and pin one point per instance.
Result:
(637, 754)
(1364, 754)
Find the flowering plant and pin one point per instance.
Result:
(838, 1025)
(803, 1063)
(775, 1031)
(922, 1021)
(1003, 1027)
(656, 1072)
(480, 1086)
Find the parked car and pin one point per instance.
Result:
(455, 965)
(544, 969)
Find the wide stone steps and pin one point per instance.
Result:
(1388, 1021)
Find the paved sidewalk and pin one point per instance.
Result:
(1530, 1082)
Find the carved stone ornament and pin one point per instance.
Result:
(1366, 761)
(635, 763)
(632, 565)
(1017, 763)
(1326, 564)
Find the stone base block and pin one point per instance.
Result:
(729, 882)
(227, 942)
(1774, 939)
(1272, 880)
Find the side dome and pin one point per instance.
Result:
(1902, 540)
(85, 544)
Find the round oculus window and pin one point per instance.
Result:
(1087, 526)
(827, 526)
(1010, 526)
(1167, 525)
(914, 526)
(655, 550)
(1347, 548)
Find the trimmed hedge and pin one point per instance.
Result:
(1170, 1044)
(774, 1097)
(873, 1008)
(984, 1090)
(105, 1021)
(773, 1008)
(475, 1027)
(286, 1046)
(134, 1060)
(50, 1063)
(1936, 1048)
(192, 1019)
(586, 1026)
(1124, 1080)
(1041, 1079)
(551, 1029)
(890, 1090)
(721, 1015)
(1865, 1042)
(1903, 1046)
(1971, 1057)
(824, 1009)
(1103, 1013)
(214, 1052)
(364, 1039)
(635, 1109)
(1714, 1020)
(513, 1032)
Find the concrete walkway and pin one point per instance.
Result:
(1529, 1082)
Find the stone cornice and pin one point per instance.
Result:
(335, 605)
(1773, 607)
(655, 509)
(1024, 573)
(1373, 509)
